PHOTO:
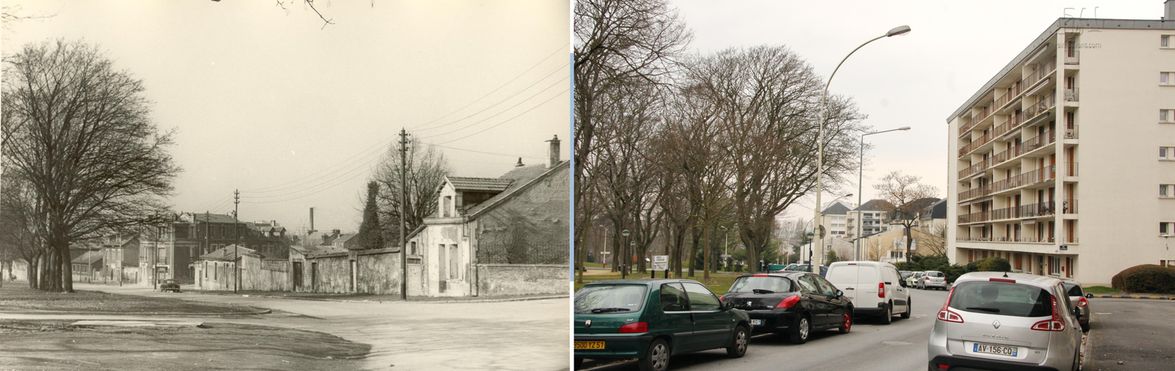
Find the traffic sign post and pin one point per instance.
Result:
(660, 263)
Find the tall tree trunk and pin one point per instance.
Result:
(678, 248)
(31, 273)
(706, 251)
(909, 242)
(695, 237)
(66, 269)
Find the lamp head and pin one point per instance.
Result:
(899, 30)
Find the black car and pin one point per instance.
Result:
(169, 285)
(802, 268)
(791, 303)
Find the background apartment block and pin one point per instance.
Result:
(1063, 162)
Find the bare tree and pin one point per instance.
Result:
(425, 173)
(616, 42)
(79, 132)
(934, 240)
(767, 100)
(908, 197)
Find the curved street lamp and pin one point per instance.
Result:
(899, 30)
(860, 177)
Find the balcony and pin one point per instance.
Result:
(975, 193)
(1071, 133)
(975, 169)
(1072, 59)
(1043, 105)
(976, 143)
(1024, 211)
(1071, 95)
(1039, 141)
(979, 217)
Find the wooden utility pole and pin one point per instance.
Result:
(237, 242)
(403, 222)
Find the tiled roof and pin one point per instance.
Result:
(479, 184)
(212, 218)
(226, 253)
(836, 208)
(522, 177)
(89, 257)
(876, 204)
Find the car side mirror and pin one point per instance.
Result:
(1089, 295)
(902, 283)
(727, 305)
(840, 293)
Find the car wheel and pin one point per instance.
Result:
(738, 344)
(887, 317)
(909, 308)
(799, 332)
(846, 322)
(1084, 326)
(657, 358)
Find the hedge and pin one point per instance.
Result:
(1146, 278)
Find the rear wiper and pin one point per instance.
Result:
(985, 309)
(606, 310)
(762, 291)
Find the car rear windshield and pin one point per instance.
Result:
(935, 274)
(1073, 289)
(610, 298)
(762, 285)
(849, 273)
(1006, 299)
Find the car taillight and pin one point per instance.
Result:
(1081, 302)
(944, 366)
(1052, 324)
(946, 314)
(635, 328)
(881, 290)
(788, 302)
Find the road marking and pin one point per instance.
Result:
(895, 342)
(1102, 313)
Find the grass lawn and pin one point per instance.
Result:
(594, 265)
(719, 281)
(1101, 290)
(24, 299)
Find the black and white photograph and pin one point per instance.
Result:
(290, 184)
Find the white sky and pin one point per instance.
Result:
(268, 100)
(914, 80)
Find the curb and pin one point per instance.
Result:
(496, 300)
(1142, 297)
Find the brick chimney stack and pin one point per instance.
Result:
(1169, 10)
(554, 151)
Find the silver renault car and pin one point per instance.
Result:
(997, 320)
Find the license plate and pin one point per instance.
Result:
(756, 322)
(589, 345)
(999, 350)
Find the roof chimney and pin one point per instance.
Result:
(555, 147)
(1169, 10)
(519, 164)
(311, 221)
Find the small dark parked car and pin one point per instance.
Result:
(169, 285)
(652, 320)
(791, 303)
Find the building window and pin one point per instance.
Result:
(1166, 228)
(1167, 190)
(1167, 153)
(1054, 265)
(1165, 41)
(412, 248)
(1166, 116)
(1167, 78)
(448, 205)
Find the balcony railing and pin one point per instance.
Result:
(975, 168)
(1024, 211)
(1044, 174)
(976, 143)
(976, 192)
(1071, 133)
(1031, 144)
(1069, 207)
(982, 216)
(1071, 95)
(1044, 104)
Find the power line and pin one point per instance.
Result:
(504, 100)
(508, 119)
(560, 48)
(475, 123)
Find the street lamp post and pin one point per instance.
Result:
(819, 217)
(623, 258)
(860, 180)
(725, 247)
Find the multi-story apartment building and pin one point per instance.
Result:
(874, 217)
(835, 220)
(1053, 161)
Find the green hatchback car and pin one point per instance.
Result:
(653, 320)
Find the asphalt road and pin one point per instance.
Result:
(1137, 333)
(870, 346)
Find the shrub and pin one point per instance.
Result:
(994, 264)
(1148, 278)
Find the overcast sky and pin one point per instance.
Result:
(914, 80)
(296, 115)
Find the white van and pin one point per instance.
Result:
(875, 288)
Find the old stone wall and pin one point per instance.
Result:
(531, 227)
(522, 279)
(377, 272)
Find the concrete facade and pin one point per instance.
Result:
(1057, 162)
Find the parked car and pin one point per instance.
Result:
(875, 288)
(169, 285)
(1004, 321)
(914, 279)
(653, 320)
(803, 268)
(1080, 299)
(792, 304)
(934, 279)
